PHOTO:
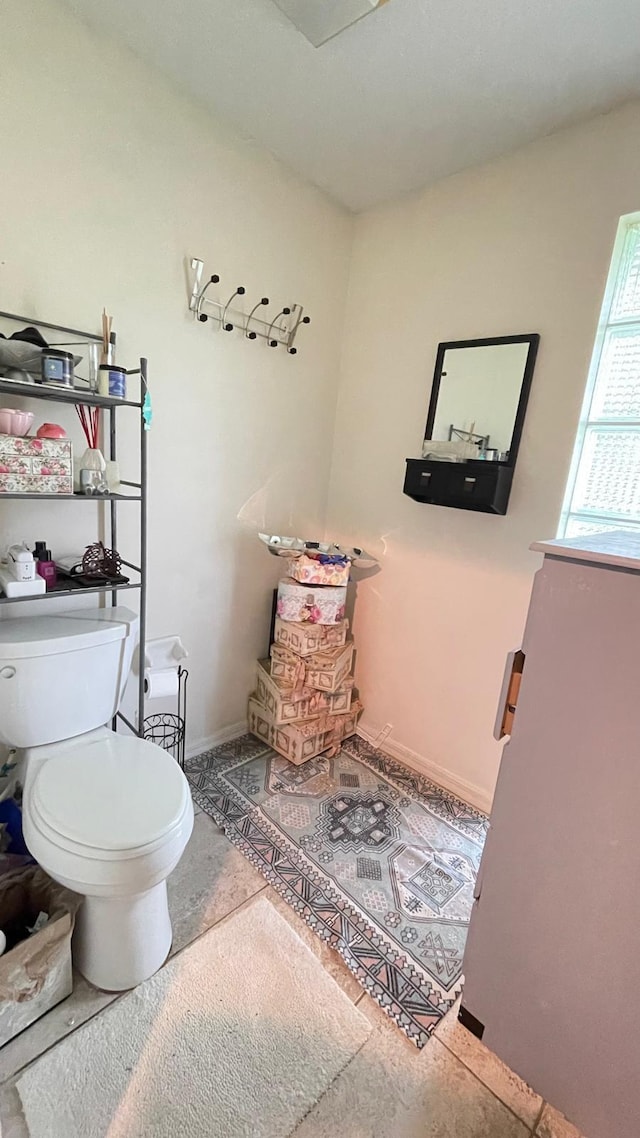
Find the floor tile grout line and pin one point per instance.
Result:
(292, 917)
(292, 1133)
(121, 995)
(476, 1076)
(485, 1085)
(13, 1079)
(539, 1118)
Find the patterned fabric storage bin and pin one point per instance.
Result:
(35, 466)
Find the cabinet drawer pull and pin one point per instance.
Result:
(471, 481)
(509, 694)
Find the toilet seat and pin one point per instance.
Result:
(95, 853)
(108, 815)
(117, 797)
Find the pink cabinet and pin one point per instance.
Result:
(552, 963)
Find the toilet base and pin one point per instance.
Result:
(120, 941)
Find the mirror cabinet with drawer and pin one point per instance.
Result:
(474, 425)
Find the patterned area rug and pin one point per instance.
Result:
(379, 861)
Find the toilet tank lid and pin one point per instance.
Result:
(29, 636)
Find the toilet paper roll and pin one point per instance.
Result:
(159, 682)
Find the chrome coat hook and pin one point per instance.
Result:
(202, 316)
(240, 291)
(204, 306)
(248, 334)
(274, 343)
(305, 320)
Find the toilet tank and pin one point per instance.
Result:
(63, 675)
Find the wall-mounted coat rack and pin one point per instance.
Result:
(281, 330)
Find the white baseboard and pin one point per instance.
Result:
(225, 735)
(467, 791)
(474, 795)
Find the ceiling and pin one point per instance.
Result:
(414, 92)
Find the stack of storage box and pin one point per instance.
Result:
(303, 703)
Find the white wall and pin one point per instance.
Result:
(520, 245)
(110, 177)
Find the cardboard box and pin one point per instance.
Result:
(318, 604)
(302, 741)
(314, 571)
(328, 670)
(341, 701)
(304, 638)
(35, 466)
(291, 705)
(287, 668)
(36, 974)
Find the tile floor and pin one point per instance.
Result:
(453, 1088)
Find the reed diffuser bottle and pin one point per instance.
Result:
(92, 466)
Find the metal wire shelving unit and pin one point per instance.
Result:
(111, 502)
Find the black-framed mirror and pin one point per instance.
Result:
(479, 396)
(476, 414)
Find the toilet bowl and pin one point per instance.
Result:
(109, 816)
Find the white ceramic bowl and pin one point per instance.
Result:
(22, 421)
(14, 422)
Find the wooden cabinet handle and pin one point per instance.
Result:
(509, 694)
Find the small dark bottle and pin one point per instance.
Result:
(45, 567)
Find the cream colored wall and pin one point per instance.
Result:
(110, 177)
(520, 245)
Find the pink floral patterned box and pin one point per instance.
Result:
(320, 571)
(35, 466)
(318, 604)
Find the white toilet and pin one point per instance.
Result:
(108, 815)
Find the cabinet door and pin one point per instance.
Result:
(552, 964)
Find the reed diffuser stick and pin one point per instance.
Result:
(107, 321)
(90, 420)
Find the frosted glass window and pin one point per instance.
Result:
(603, 492)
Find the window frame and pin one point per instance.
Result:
(605, 324)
